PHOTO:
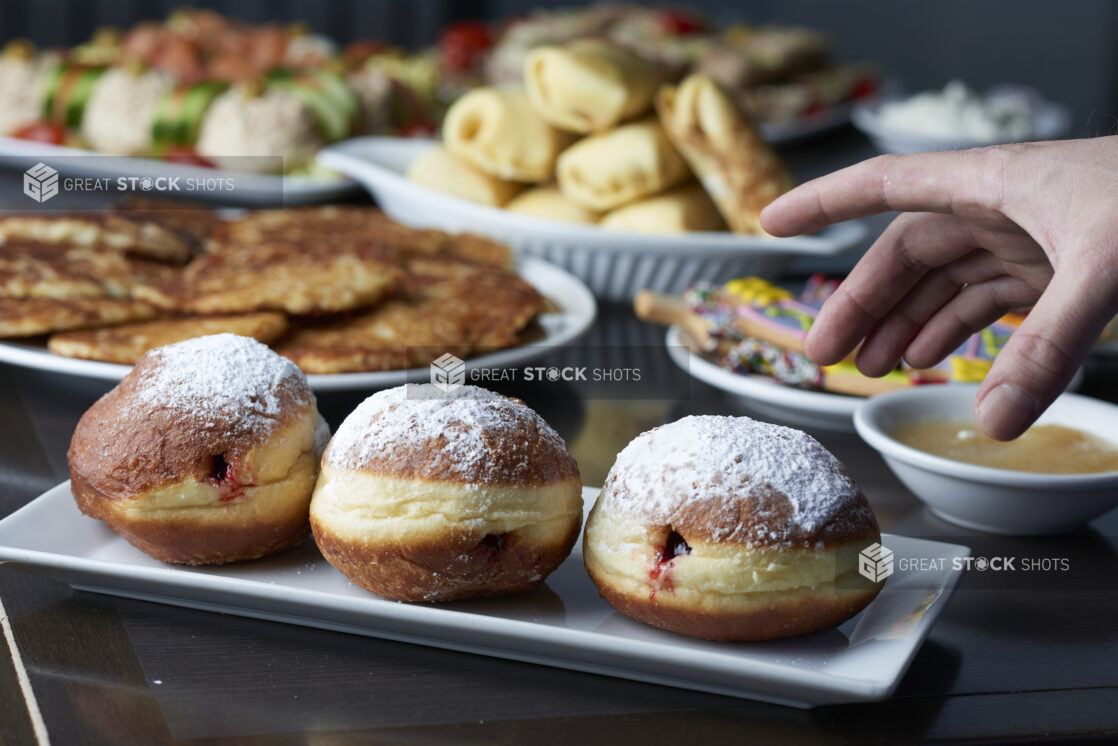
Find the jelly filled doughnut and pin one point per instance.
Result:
(730, 529)
(207, 452)
(432, 496)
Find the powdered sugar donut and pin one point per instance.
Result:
(433, 496)
(207, 452)
(730, 529)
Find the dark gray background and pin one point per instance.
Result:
(1066, 48)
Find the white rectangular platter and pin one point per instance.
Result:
(563, 623)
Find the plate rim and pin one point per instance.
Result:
(757, 387)
(765, 390)
(380, 179)
(1051, 118)
(814, 686)
(577, 299)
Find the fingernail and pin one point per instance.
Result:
(1006, 411)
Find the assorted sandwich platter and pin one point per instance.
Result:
(563, 624)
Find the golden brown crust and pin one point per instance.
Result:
(536, 461)
(451, 306)
(27, 317)
(779, 615)
(142, 234)
(339, 225)
(125, 344)
(736, 166)
(730, 529)
(370, 293)
(748, 520)
(125, 445)
(297, 278)
(739, 481)
(499, 441)
(462, 564)
(183, 540)
(33, 269)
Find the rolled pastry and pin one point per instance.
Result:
(498, 130)
(683, 209)
(738, 169)
(589, 85)
(613, 168)
(548, 202)
(439, 169)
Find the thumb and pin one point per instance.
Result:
(1042, 356)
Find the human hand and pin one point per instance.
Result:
(984, 232)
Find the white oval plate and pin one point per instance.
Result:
(577, 311)
(381, 163)
(767, 396)
(616, 265)
(250, 190)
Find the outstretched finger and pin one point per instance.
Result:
(910, 247)
(1043, 354)
(962, 182)
(886, 343)
(973, 309)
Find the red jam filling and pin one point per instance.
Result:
(228, 478)
(659, 574)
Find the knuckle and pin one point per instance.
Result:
(1043, 357)
(907, 255)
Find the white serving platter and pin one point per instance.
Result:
(575, 312)
(248, 190)
(615, 264)
(563, 623)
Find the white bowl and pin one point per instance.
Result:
(1050, 121)
(999, 501)
(616, 265)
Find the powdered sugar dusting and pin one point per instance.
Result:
(728, 461)
(224, 380)
(470, 433)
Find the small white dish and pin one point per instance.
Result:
(1050, 121)
(998, 501)
(565, 624)
(575, 310)
(195, 182)
(614, 264)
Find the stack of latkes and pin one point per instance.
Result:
(335, 289)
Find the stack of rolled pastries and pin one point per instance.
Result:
(598, 135)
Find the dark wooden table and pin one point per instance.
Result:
(1013, 659)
